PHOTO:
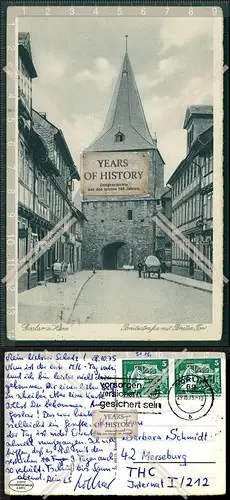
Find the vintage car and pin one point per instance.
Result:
(151, 266)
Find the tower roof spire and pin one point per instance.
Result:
(125, 115)
(126, 44)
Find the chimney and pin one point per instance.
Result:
(155, 140)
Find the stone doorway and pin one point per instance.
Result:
(110, 255)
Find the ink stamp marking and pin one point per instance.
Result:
(150, 377)
(107, 423)
(197, 382)
(194, 371)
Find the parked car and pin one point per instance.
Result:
(151, 265)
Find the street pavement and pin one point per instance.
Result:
(122, 297)
(53, 303)
(114, 297)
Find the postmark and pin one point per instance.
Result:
(194, 371)
(150, 378)
(191, 405)
(110, 423)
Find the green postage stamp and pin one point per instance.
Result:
(145, 378)
(190, 374)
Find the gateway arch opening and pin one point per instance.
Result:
(110, 255)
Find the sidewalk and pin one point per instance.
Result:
(182, 280)
(51, 303)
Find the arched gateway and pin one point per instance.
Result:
(110, 255)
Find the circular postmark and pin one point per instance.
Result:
(191, 397)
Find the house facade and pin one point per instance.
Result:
(45, 181)
(192, 193)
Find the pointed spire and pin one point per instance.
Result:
(125, 114)
(126, 44)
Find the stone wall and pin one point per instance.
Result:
(108, 223)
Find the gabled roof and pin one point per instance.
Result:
(125, 115)
(198, 110)
(26, 53)
(50, 133)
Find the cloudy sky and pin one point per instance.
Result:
(78, 61)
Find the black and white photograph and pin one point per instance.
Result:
(119, 175)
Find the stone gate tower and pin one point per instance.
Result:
(120, 230)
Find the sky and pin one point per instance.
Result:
(78, 61)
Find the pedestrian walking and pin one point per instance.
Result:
(56, 270)
(64, 270)
(139, 267)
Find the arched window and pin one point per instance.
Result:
(130, 215)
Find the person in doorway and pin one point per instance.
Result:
(139, 267)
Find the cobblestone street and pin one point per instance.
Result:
(115, 297)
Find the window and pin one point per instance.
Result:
(26, 173)
(119, 137)
(61, 206)
(193, 207)
(21, 161)
(211, 164)
(25, 84)
(187, 177)
(41, 187)
(190, 174)
(183, 180)
(31, 178)
(205, 206)
(130, 215)
(180, 216)
(189, 209)
(190, 136)
(197, 205)
(209, 206)
(183, 213)
(58, 206)
(26, 166)
(55, 156)
(186, 211)
(21, 248)
(207, 170)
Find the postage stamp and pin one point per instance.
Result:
(193, 373)
(150, 377)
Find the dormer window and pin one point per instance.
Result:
(119, 137)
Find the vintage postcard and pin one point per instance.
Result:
(114, 173)
(108, 423)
